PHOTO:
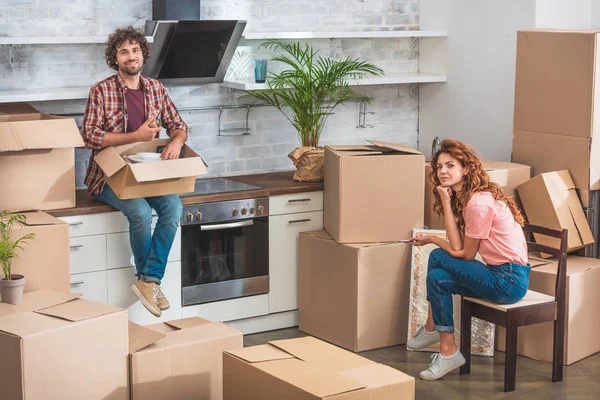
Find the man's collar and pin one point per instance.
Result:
(123, 86)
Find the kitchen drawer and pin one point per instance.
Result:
(92, 285)
(295, 203)
(119, 255)
(85, 225)
(117, 222)
(88, 253)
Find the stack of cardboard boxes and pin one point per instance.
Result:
(354, 276)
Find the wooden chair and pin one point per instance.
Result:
(534, 308)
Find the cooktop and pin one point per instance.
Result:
(218, 185)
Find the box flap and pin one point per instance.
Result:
(39, 218)
(168, 169)
(535, 261)
(188, 322)
(110, 161)
(355, 150)
(38, 300)
(583, 227)
(78, 310)
(575, 265)
(48, 133)
(377, 375)
(321, 234)
(309, 348)
(30, 323)
(395, 146)
(140, 337)
(260, 353)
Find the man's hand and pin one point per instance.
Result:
(172, 150)
(148, 130)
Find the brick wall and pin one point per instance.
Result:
(266, 149)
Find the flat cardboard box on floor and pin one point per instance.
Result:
(354, 295)
(582, 305)
(179, 359)
(308, 368)
(147, 179)
(369, 189)
(555, 83)
(44, 259)
(56, 346)
(579, 155)
(506, 174)
(37, 159)
(550, 200)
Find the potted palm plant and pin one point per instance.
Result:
(311, 88)
(11, 285)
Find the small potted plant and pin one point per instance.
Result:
(11, 285)
(311, 88)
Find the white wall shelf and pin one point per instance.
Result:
(26, 95)
(390, 79)
(342, 35)
(56, 39)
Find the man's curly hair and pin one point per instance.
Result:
(120, 36)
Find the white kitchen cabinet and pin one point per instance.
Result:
(289, 215)
(119, 250)
(121, 295)
(92, 285)
(87, 253)
(85, 225)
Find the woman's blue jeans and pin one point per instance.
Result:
(447, 275)
(150, 251)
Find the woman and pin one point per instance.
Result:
(478, 217)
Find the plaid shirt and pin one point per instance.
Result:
(106, 111)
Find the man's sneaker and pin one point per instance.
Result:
(422, 339)
(148, 293)
(163, 303)
(441, 365)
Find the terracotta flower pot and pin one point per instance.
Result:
(309, 162)
(12, 291)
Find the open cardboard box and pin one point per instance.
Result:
(179, 359)
(56, 346)
(148, 179)
(368, 189)
(37, 159)
(308, 368)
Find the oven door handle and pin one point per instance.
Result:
(226, 226)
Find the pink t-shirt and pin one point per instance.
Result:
(501, 237)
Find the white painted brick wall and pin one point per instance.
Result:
(272, 138)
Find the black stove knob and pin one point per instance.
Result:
(190, 217)
(234, 212)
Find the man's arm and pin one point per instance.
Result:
(176, 128)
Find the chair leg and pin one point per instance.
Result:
(465, 336)
(558, 350)
(510, 357)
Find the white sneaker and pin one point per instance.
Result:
(441, 365)
(422, 339)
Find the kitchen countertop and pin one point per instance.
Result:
(271, 183)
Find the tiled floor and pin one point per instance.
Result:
(582, 379)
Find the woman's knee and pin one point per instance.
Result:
(435, 258)
(436, 278)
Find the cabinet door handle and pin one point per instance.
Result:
(75, 246)
(295, 221)
(298, 200)
(75, 223)
(76, 283)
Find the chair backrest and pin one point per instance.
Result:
(560, 254)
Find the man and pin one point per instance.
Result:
(122, 109)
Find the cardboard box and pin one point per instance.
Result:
(506, 174)
(582, 304)
(555, 92)
(307, 368)
(369, 189)
(581, 156)
(353, 295)
(44, 259)
(179, 359)
(56, 346)
(550, 200)
(135, 180)
(37, 159)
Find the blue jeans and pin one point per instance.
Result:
(150, 251)
(447, 275)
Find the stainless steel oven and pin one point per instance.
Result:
(224, 250)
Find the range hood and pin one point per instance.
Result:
(187, 50)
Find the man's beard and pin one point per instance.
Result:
(130, 70)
